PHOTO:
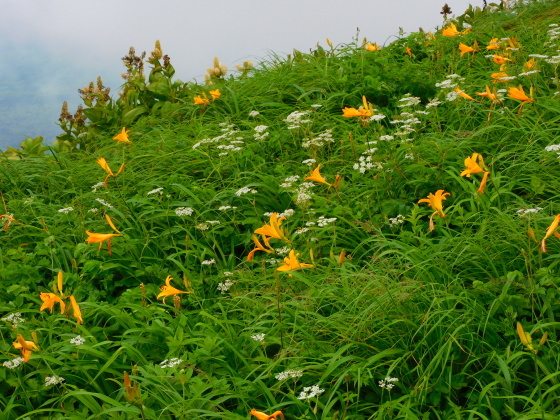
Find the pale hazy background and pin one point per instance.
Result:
(50, 48)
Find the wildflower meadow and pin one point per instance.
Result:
(361, 231)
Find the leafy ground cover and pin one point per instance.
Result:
(358, 232)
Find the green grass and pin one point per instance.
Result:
(435, 309)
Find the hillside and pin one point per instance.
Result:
(359, 232)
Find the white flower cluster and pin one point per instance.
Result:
(301, 230)
(310, 392)
(14, 318)
(230, 135)
(258, 337)
(170, 363)
(103, 202)
(245, 190)
(552, 148)
(377, 117)
(322, 221)
(320, 140)
(208, 262)
(451, 81)
(433, 103)
(225, 286)
(408, 100)
(260, 132)
(285, 213)
(96, 186)
(289, 181)
(396, 220)
(303, 196)
(254, 113)
(93, 210)
(309, 162)
(387, 383)
(292, 373)
(386, 138)
(283, 251)
(156, 191)
(183, 211)
(53, 380)
(66, 210)
(295, 119)
(202, 226)
(78, 340)
(366, 163)
(14, 363)
(226, 208)
(524, 211)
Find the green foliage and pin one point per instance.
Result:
(386, 304)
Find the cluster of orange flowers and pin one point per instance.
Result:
(203, 100)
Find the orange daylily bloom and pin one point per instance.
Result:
(462, 94)
(259, 247)
(363, 112)
(490, 94)
(530, 64)
(499, 77)
(316, 176)
(272, 229)
(215, 93)
(25, 346)
(122, 136)
(519, 94)
(435, 201)
(550, 231)
(103, 163)
(168, 290)
(100, 238)
(76, 309)
(262, 416)
(198, 100)
(352, 112)
(408, 51)
(474, 165)
(49, 299)
(372, 47)
(527, 340)
(493, 44)
(498, 59)
(292, 264)
(483, 183)
(451, 30)
(466, 49)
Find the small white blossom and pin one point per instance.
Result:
(202, 226)
(226, 208)
(96, 186)
(156, 191)
(209, 262)
(53, 380)
(309, 162)
(170, 363)
(283, 251)
(254, 113)
(538, 56)
(93, 210)
(292, 373)
(527, 73)
(245, 190)
(396, 220)
(258, 337)
(301, 230)
(316, 106)
(225, 286)
(310, 392)
(66, 210)
(14, 318)
(183, 211)
(78, 340)
(101, 201)
(387, 383)
(552, 148)
(213, 222)
(524, 211)
(323, 221)
(14, 363)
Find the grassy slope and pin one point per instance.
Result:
(435, 309)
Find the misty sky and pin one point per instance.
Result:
(62, 45)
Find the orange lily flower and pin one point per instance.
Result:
(530, 64)
(316, 176)
(259, 247)
(25, 347)
(499, 77)
(451, 30)
(352, 112)
(122, 136)
(168, 290)
(466, 49)
(519, 94)
(262, 416)
(435, 201)
(473, 164)
(483, 183)
(76, 309)
(498, 59)
(292, 264)
(408, 51)
(100, 238)
(363, 112)
(462, 94)
(527, 340)
(215, 93)
(272, 229)
(198, 100)
(49, 299)
(372, 47)
(550, 231)
(103, 163)
(493, 44)
(490, 94)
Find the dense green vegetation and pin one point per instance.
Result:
(403, 201)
